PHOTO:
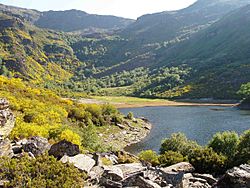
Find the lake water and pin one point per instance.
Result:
(197, 123)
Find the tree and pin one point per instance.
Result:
(243, 155)
(244, 90)
(225, 143)
(149, 156)
(170, 158)
(178, 142)
(205, 160)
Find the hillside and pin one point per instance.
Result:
(219, 55)
(197, 52)
(180, 24)
(70, 20)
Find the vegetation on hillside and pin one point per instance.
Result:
(194, 58)
(40, 112)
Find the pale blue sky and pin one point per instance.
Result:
(124, 8)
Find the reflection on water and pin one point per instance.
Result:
(198, 123)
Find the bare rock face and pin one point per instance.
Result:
(237, 177)
(36, 145)
(7, 120)
(62, 148)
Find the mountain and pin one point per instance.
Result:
(168, 25)
(69, 20)
(198, 52)
(73, 20)
(34, 54)
(219, 55)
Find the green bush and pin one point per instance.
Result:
(178, 142)
(170, 158)
(243, 155)
(44, 171)
(225, 143)
(130, 115)
(149, 156)
(206, 160)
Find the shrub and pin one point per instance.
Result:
(149, 156)
(71, 137)
(243, 155)
(90, 139)
(170, 158)
(178, 142)
(206, 160)
(130, 115)
(43, 171)
(225, 143)
(124, 157)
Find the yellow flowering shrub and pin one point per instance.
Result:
(70, 136)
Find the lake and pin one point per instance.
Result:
(197, 123)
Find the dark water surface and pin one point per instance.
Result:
(197, 123)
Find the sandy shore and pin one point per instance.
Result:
(154, 103)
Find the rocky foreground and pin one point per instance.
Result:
(115, 169)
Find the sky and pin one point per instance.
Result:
(124, 8)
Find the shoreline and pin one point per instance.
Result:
(134, 102)
(173, 104)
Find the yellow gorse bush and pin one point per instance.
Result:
(40, 112)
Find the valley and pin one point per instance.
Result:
(90, 100)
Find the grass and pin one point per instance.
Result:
(132, 102)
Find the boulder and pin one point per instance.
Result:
(179, 167)
(189, 181)
(237, 177)
(62, 148)
(81, 161)
(130, 169)
(110, 184)
(113, 173)
(139, 181)
(36, 145)
(5, 148)
(208, 177)
(95, 174)
(174, 174)
(143, 183)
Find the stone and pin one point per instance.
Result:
(95, 174)
(36, 145)
(174, 174)
(179, 167)
(113, 173)
(5, 148)
(132, 168)
(81, 161)
(137, 180)
(62, 148)
(120, 126)
(208, 177)
(110, 184)
(237, 177)
(189, 181)
(7, 119)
